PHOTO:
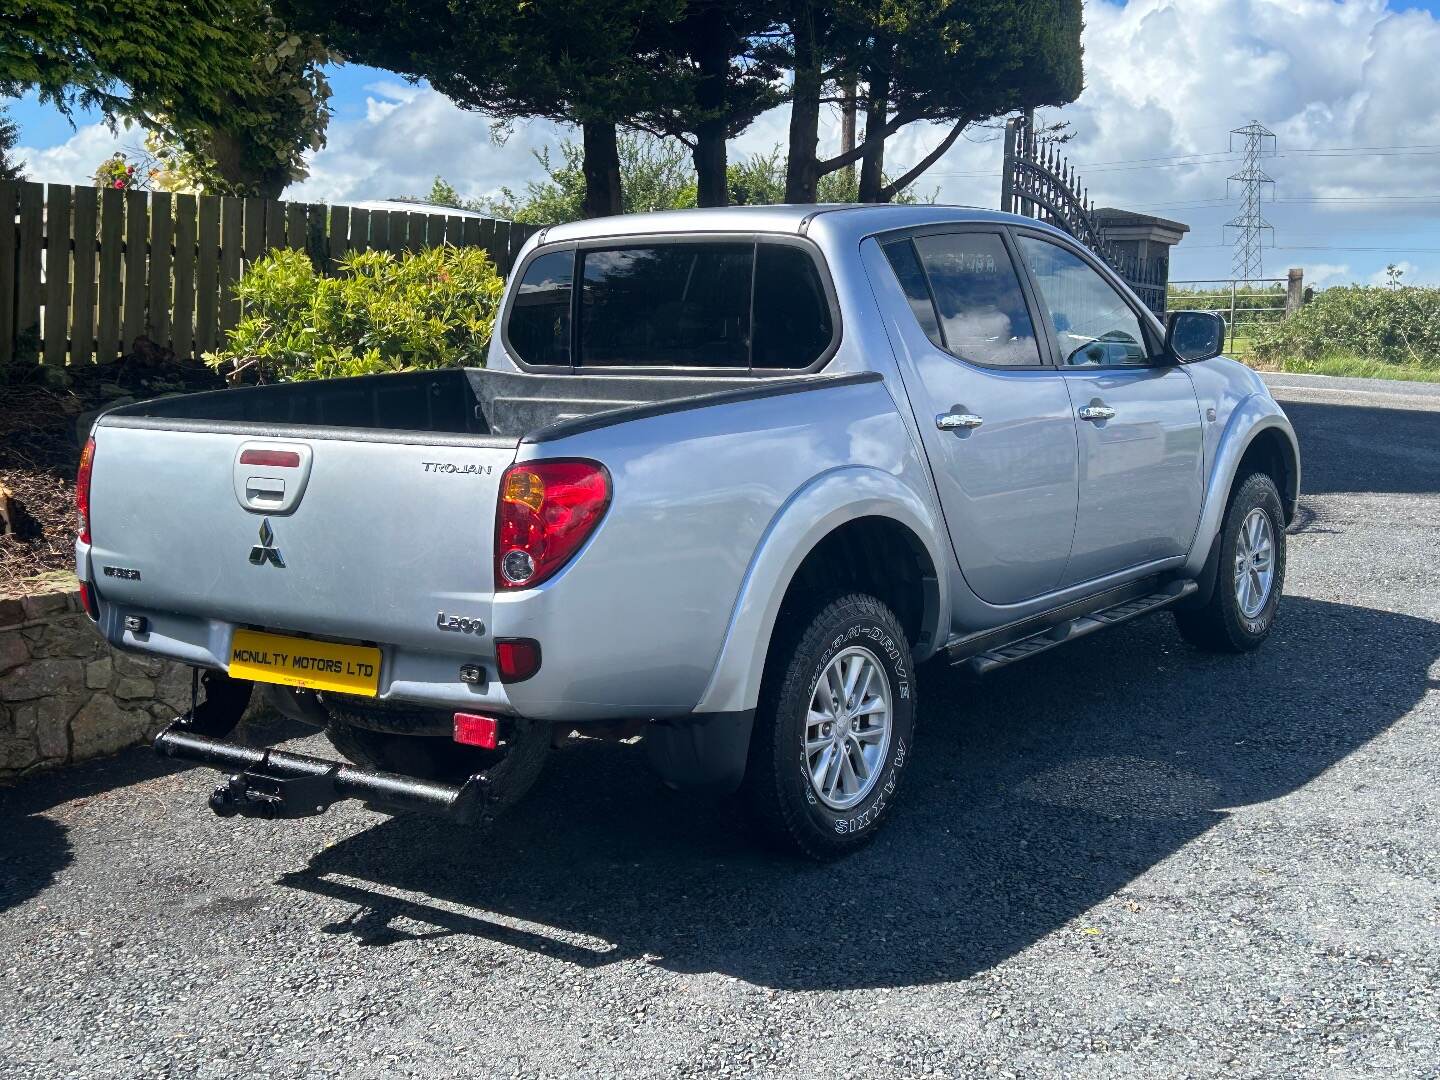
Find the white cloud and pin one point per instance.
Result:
(1319, 275)
(408, 136)
(75, 160)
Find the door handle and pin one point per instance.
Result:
(957, 421)
(1096, 412)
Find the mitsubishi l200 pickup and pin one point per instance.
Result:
(726, 478)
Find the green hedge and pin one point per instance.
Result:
(382, 312)
(1378, 323)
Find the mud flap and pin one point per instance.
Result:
(704, 752)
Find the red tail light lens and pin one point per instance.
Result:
(82, 490)
(277, 459)
(547, 509)
(517, 658)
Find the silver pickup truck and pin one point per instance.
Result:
(727, 478)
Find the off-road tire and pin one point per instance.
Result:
(777, 794)
(512, 767)
(1219, 625)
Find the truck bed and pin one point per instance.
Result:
(473, 402)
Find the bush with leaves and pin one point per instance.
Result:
(381, 312)
(1393, 325)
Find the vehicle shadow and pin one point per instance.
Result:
(1034, 795)
(1353, 448)
(35, 848)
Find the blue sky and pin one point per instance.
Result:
(1350, 87)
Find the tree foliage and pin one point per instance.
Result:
(1392, 324)
(237, 98)
(9, 135)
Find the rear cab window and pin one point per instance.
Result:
(965, 292)
(725, 305)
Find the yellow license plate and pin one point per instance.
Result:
(315, 665)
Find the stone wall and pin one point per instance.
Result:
(65, 695)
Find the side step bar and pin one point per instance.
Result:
(1032, 644)
(274, 784)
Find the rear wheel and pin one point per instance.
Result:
(1241, 611)
(356, 731)
(833, 730)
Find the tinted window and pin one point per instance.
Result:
(906, 265)
(977, 293)
(792, 315)
(669, 305)
(539, 327)
(1093, 323)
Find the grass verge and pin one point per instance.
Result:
(1349, 366)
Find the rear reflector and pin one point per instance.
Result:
(276, 459)
(475, 730)
(517, 658)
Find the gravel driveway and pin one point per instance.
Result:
(1120, 857)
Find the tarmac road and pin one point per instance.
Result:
(1123, 856)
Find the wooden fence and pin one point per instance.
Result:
(85, 272)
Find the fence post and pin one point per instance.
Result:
(1294, 292)
(1007, 178)
(1232, 307)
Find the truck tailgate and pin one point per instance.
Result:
(361, 537)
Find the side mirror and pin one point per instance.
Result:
(1194, 335)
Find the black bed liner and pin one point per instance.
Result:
(454, 404)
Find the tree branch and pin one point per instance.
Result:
(839, 161)
(900, 183)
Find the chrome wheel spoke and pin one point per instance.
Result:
(847, 728)
(1254, 563)
(870, 735)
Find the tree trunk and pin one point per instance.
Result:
(802, 176)
(712, 57)
(227, 150)
(847, 125)
(872, 166)
(603, 194)
(712, 188)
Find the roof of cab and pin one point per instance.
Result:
(857, 219)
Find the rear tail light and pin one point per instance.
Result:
(82, 490)
(516, 658)
(547, 510)
(87, 600)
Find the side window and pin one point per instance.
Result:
(1093, 324)
(539, 326)
(977, 292)
(906, 265)
(792, 324)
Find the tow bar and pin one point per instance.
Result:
(274, 784)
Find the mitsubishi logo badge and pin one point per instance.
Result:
(265, 551)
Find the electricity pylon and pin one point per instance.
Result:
(1250, 224)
